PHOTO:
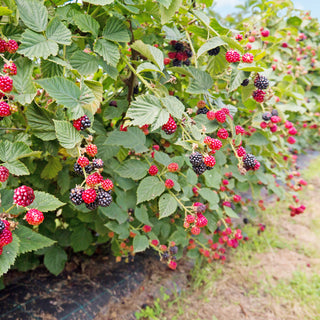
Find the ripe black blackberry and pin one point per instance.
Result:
(274, 112)
(245, 82)
(266, 116)
(76, 195)
(261, 82)
(165, 256)
(209, 168)
(214, 51)
(136, 89)
(249, 161)
(97, 163)
(202, 110)
(78, 169)
(199, 169)
(187, 62)
(245, 220)
(104, 198)
(2, 226)
(113, 103)
(176, 63)
(189, 53)
(173, 250)
(178, 46)
(85, 122)
(196, 158)
(93, 205)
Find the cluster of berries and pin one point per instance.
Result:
(202, 163)
(273, 117)
(181, 54)
(296, 210)
(261, 83)
(82, 123)
(291, 131)
(6, 81)
(97, 190)
(167, 254)
(220, 115)
(197, 220)
(234, 56)
(202, 107)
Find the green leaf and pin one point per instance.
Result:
(153, 54)
(33, 13)
(140, 243)
(31, 240)
(294, 21)
(210, 44)
(146, 109)
(114, 212)
(50, 69)
(24, 90)
(258, 139)
(17, 168)
(40, 122)
(147, 67)
(165, 3)
(246, 92)
(35, 45)
(230, 213)
(45, 202)
(100, 2)
(121, 229)
(236, 79)
(167, 205)
(116, 30)
(108, 50)
(217, 64)
(250, 67)
(200, 83)
(167, 13)
(10, 151)
(52, 168)
(173, 33)
(141, 213)
(232, 43)
(87, 24)
(174, 106)
(97, 92)
(9, 254)
(81, 238)
(133, 169)
(209, 195)
(134, 138)
(65, 92)
(58, 32)
(162, 158)
(149, 188)
(67, 135)
(4, 11)
(55, 259)
(85, 63)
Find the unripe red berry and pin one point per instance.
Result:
(34, 217)
(153, 170)
(169, 184)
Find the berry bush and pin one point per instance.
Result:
(128, 125)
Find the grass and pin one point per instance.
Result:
(296, 296)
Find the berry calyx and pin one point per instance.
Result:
(34, 217)
(89, 195)
(232, 56)
(23, 196)
(4, 174)
(170, 127)
(153, 170)
(91, 150)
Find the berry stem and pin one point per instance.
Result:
(192, 49)
(7, 211)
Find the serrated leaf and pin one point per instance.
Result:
(133, 169)
(97, 91)
(151, 53)
(258, 139)
(210, 44)
(173, 33)
(40, 122)
(45, 202)
(50, 69)
(230, 213)
(87, 24)
(108, 50)
(58, 32)
(114, 212)
(31, 240)
(35, 45)
(10, 151)
(149, 188)
(55, 259)
(9, 254)
(217, 64)
(67, 135)
(81, 238)
(165, 3)
(141, 213)
(121, 229)
(167, 13)
(134, 138)
(140, 243)
(246, 92)
(167, 205)
(33, 13)
(232, 43)
(200, 83)
(174, 106)
(236, 79)
(116, 30)
(250, 67)
(24, 90)
(209, 195)
(17, 168)
(84, 63)
(162, 158)
(146, 67)
(51, 169)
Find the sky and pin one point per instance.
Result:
(224, 7)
